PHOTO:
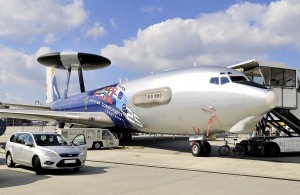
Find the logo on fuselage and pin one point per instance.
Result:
(115, 103)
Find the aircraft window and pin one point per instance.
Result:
(214, 80)
(224, 80)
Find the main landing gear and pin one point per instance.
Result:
(199, 146)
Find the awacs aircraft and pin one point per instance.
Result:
(196, 102)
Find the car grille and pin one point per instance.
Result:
(68, 155)
(62, 164)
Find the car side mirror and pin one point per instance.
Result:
(76, 144)
(29, 144)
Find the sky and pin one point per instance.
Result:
(140, 38)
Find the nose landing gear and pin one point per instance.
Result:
(199, 146)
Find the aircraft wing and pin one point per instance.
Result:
(96, 119)
(25, 106)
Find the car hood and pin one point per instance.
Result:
(64, 149)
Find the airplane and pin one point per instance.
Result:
(197, 101)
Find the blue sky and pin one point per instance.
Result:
(139, 37)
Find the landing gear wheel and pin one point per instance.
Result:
(207, 148)
(9, 160)
(197, 149)
(37, 166)
(224, 150)
(97, 145)
(272, 150)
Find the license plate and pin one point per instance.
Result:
(70, 161)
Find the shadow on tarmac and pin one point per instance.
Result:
(85, 170)
(17, 177)
(180, 144)
(10, 178)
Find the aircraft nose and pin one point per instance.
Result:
(259, 101)
(271, 99)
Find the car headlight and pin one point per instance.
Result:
(50, 154)
(81, 154)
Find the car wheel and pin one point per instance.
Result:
(9, 160)
(37, 166)
(97, 145)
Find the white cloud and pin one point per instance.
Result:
(20, 68)
(50, 38)
(96, 31)
(243, 31)
(6, 97)
(26, 19)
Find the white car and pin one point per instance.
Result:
(42, 150)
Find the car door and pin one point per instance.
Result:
(14, 147)
(80, 142)
(27, 149)
(18, 148)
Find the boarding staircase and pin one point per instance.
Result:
(284, 82)
(287, 116)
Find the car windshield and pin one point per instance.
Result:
(50, 140)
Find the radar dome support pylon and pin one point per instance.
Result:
(74, 60)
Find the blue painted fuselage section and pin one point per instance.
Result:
(110, 100)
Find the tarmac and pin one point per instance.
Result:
(158, 165)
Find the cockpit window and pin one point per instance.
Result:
(214, 80)
(236, 79)
(224, 80)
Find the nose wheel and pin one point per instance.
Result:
(200, 148)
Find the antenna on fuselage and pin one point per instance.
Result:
(74, 61)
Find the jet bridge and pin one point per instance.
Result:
(284, 82)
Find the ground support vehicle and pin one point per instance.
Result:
(271, 146)
(96, 138)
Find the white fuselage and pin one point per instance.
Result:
(196, 105)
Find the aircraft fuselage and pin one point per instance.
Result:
(191, 101)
